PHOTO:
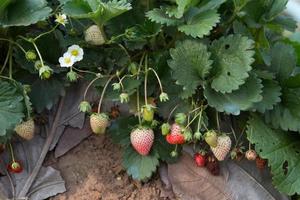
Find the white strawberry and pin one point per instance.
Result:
(93, 35)
(142, 140)
(222, 148)
(26, 129)
(99, 122)
(251, 154)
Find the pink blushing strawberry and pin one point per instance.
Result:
(142, 140)
(175, 136)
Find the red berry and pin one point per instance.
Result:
(15, 167)
(200, 159)
(175, 136)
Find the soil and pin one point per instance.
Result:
(93, 171)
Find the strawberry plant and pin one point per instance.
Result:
(214, 74)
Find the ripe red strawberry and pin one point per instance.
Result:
(142, 140)
(175, 136)
(26, 129)
(251, 154)
(212, 165)
(99, 122)
(15, 167)
(200, 159)
(260, 163)
(222, 148)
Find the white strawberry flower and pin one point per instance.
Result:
(76, 51)
(67, 60)
(61, 19)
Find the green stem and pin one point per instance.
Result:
(103, 92)
(6, 60)
(45, 33)
(138, 105)
(11, 152)
(200, 119)
(172, 111)
(195, 117)
(38, 52)
(158, 79)
(84, 71)
(89, 85)
(138, 91)
(10, 63)
(125, 50)
(13, 42)
(145, 82)
(218, 123)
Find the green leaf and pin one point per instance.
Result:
(24, 13)
(98, 11)
(45, 93)
(164, 149)
(233, 56)
(238, 100)
(276, 7)
(4, 4)
(140, 167)
(190, 64)
(210, 5)
(182, 6)
(120, 129)
(283, 60)
(200, 24)
(282, 151)
(293, 81)
(271, 96)
(11, 107)
(159, 16)
(286, 115)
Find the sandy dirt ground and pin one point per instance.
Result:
(93, 171)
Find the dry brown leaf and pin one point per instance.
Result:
(190, 182)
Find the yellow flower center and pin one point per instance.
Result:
(67, 60)
(74, 52)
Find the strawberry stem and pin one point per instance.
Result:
(11, 152)
(138, 91)
(172, 111)
(195, 117)
(103, 92)
(146, 77)
(158, 79)
(218, 123)
(90, 84)
(200, 119)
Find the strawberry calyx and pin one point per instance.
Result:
(15, 167)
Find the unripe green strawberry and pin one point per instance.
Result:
(26, 129)
(142, 140)
(165, 128)
(132, 68)
(187, 133)
(45, 72)
(30, 55)
(174, 154)
(72, 76)
(94, 36)
(148, 112)
(211, 138)
(85, 106)
(99, 123)
(180, 118)
(197, 135)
